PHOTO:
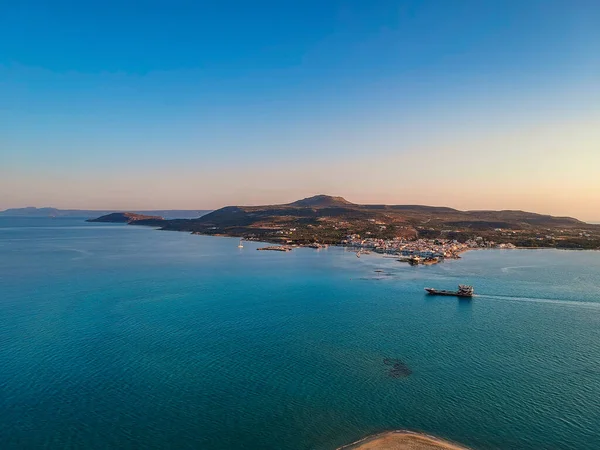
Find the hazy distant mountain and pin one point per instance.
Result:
(87, 213)
(30, 211)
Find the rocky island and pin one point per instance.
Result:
(324, 219)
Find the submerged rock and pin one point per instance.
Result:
(398, 369)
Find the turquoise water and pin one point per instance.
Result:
(116, 336)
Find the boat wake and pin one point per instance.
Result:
(513, 268)
(571, 303)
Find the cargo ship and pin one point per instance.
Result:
(463, 291)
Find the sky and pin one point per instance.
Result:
(473, 104)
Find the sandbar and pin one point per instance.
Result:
(402, 440)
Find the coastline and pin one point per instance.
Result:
(297, 245)
(402, 440)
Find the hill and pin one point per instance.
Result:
(328, 219)
(321, 201)
(323, 206)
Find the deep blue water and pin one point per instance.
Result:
(116, 336)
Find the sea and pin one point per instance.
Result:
(125, 337)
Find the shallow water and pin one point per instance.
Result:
(116, 336)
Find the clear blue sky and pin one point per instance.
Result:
(197, 104)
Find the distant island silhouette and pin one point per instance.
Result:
(31, 211)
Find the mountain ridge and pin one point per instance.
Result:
(326, 202)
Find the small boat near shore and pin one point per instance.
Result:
(317, 246)
(463, 291)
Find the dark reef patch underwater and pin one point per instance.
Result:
(398, 368)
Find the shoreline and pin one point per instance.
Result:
(295, 245)
(402, 440)
(278, 242)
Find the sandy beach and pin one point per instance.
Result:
(402, 440)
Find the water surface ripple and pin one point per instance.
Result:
(127, 337)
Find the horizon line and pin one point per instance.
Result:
(595, 221)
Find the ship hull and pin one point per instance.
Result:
(447, 293)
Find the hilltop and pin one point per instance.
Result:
(328, 219)
(321, 201)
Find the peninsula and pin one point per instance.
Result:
(126, 217)
(324, 219)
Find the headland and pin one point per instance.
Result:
(127, 217)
